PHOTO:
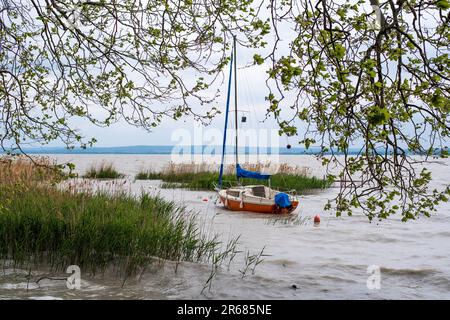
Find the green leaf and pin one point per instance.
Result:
(377, 115)
(339, 50)
(258, 59)
(443, 4)
(372, 73)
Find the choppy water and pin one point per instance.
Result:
(328, 261)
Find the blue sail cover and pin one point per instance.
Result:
(282, 200)
(242, 173)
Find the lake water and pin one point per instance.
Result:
(328, 261)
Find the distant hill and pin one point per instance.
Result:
(173, 149)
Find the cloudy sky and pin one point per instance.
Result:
(251, 104)
(252, 91)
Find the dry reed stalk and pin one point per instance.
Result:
(268, 167)
(24, 171)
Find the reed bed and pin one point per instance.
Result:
(40, 223)
(20, 169)
(103, 171)
(204, 176)
(267, 167)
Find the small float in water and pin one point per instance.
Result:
(252, 198)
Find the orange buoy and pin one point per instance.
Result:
(316, 218)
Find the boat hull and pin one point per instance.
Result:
(236, 205)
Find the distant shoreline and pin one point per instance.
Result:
(168, 150)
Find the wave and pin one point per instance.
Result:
(409, 272)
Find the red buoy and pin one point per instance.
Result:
(316, 218)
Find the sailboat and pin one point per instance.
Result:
(251, 198)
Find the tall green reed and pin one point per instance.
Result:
(40, 223)
(103, 171)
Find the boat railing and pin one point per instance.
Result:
(227, 184)
(233, 183)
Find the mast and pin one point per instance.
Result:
(226, 121)
(235, 101)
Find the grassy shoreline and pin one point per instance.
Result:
(40, 223)
(202, 177)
